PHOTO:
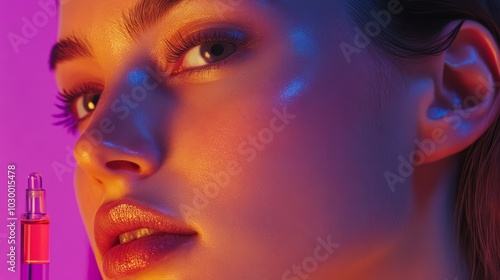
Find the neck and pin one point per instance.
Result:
(428, 248)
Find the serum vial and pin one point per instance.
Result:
(35, 233)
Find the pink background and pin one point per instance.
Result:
(30, 141)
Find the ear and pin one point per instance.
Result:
(465, 98)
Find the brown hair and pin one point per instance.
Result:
(412, 34)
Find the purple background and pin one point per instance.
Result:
(30, 141)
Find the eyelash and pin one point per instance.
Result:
(66, 118)
(180, 44)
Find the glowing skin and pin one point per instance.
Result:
(305, 135)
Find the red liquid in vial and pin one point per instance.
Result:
(35, 245)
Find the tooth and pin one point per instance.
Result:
(142, 232)
(135, 234)
(123, 238)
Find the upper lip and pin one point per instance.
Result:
(115, 218)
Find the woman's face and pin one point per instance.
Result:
(241, 120)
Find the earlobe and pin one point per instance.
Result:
(465, 99)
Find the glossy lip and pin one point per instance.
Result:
(115, 218)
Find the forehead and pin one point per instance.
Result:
(93, 15)
(118, 26)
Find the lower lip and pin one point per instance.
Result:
(137, 255)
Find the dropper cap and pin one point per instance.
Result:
(35, 195)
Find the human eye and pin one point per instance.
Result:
(205, 49)
(76, 105)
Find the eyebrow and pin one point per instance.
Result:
(68, 49)
(143, 15)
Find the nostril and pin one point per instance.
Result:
(123, 165)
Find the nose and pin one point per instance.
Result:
(124, 151)
(125, 137)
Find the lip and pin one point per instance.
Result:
(117, 217)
